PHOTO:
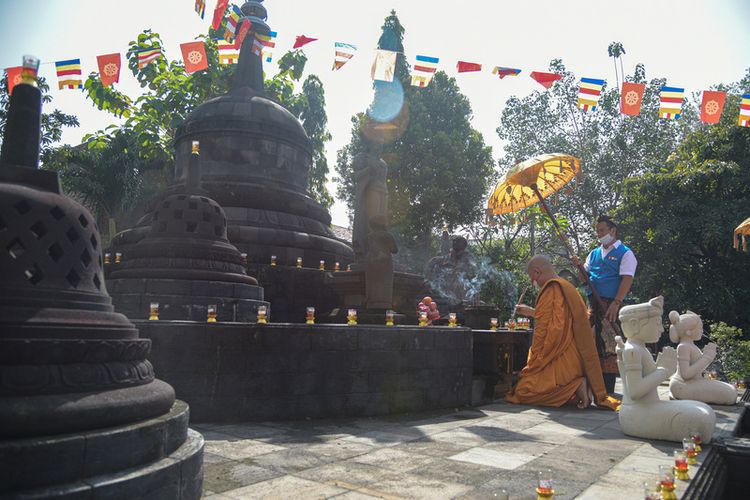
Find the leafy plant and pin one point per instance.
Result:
(733, 353)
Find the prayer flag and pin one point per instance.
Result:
(631, 98)
(242, 33)
(670, 102)
(194, 56)
(235, 14)
(423, 71)
(465, 67)
(109, 68)
(14, 77)
(384, 65)
(228, 53)
(263, 45)
(147, 56)
(545, 79)
(589, 91)
(713, 103)
(200, 8)
(503, 72)
(302, 40)
(344, 52)
(69, 74)
(221, 7)
(744, 119)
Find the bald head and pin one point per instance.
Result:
(540, 269)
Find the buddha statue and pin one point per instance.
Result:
(642, 413)
(688, 382)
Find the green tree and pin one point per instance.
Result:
(680, 221)
(616, 51)
(53, 123)
(439, 168)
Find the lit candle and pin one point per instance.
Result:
(211, 314)
(452, 319)
(273, 260)
(337, 267)
(322, 265)
(118, 257)
(153, 311)
(493, 323)
(29, 69)
(681, 465)
(348, 267)
(389, 316)
(511, 324)
(422, 318)
(310, 316)
(697, 440)
(299, 262)
(351, 317)
(244, 257)
(107, 258)
(196, 148)
(261, 318)
(651, 491)
(688, 445)
(544, 490)
(666, 482)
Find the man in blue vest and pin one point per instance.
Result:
(611, 267)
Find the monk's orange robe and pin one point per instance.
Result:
(562, 353)
(554, 369)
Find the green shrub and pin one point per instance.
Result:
(733, 353)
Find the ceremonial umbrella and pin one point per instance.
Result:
(742, 231)
(530, 182)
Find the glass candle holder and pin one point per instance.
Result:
(322, 265)
(211, 314)
(697, 440)
(351, 317)
(107, 258)
(511, 324)
(493, 323)
(196, 149)
(688, 446)
(452, 319)
(422, 318)
(299, 262)
(713, 375)
(666, 482)
(500, 495)
(273, 261)
(261, 317)
(337, 267)
(544, 488)
(389, 317)
(651, 491)
(348, 267)
(118, 257)
(29, 69)
(310, 316)
(681, 465)
(153, 311)
(244, 257)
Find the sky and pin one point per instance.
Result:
(692, 43)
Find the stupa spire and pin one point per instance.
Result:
(249, 72)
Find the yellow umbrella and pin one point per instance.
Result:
(742, 231)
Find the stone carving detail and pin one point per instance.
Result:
(371, 195)
(642, 413)
(450, 276)
(688, 382)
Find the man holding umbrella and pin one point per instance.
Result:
(611, 267)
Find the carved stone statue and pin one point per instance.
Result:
(688, 382)
(450, 276)
(371, 194)
(642, 413)
(379, 265)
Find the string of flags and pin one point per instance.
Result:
(69, 72)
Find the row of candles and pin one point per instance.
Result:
(665, 485)
(321, 265)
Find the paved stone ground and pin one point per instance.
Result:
(471, 453)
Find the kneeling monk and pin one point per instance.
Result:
(563, 365)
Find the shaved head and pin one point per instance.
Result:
(540, 269)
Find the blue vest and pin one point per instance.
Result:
(605, 272)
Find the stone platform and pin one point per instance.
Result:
(462, 453)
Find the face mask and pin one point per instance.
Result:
(606, 239)
(536, 285)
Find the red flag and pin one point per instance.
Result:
(194, 55)
(545, 79)
(14, 77)
(464, 67)
(242, 33)
(221, 8)
(713, 103)
(302, 40)
(631, 98)
(109, 68)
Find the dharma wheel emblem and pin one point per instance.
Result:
(712, 107)
(110, 69)
(195, 57)
(17, 79)
(631, 98)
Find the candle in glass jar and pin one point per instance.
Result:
(688, 445)
(422, 318)
(310, 316)
(153, 311)
(211, 314)
(273, 260)
(389, 316)
(107, 258)
(681, 465)
(299, 262)
(322, 265)
(493, 323)
(337, 267)
(544, 489)
(118, 257)
(261, 318)
(351, 317)
(452, 319)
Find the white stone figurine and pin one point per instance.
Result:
(642, 413)
(688, 382)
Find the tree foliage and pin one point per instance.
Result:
(439, 168)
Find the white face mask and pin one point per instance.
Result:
(536, 285)
(606, 239)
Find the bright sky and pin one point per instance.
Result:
(692, 43)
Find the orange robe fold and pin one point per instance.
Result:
(562, 351)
